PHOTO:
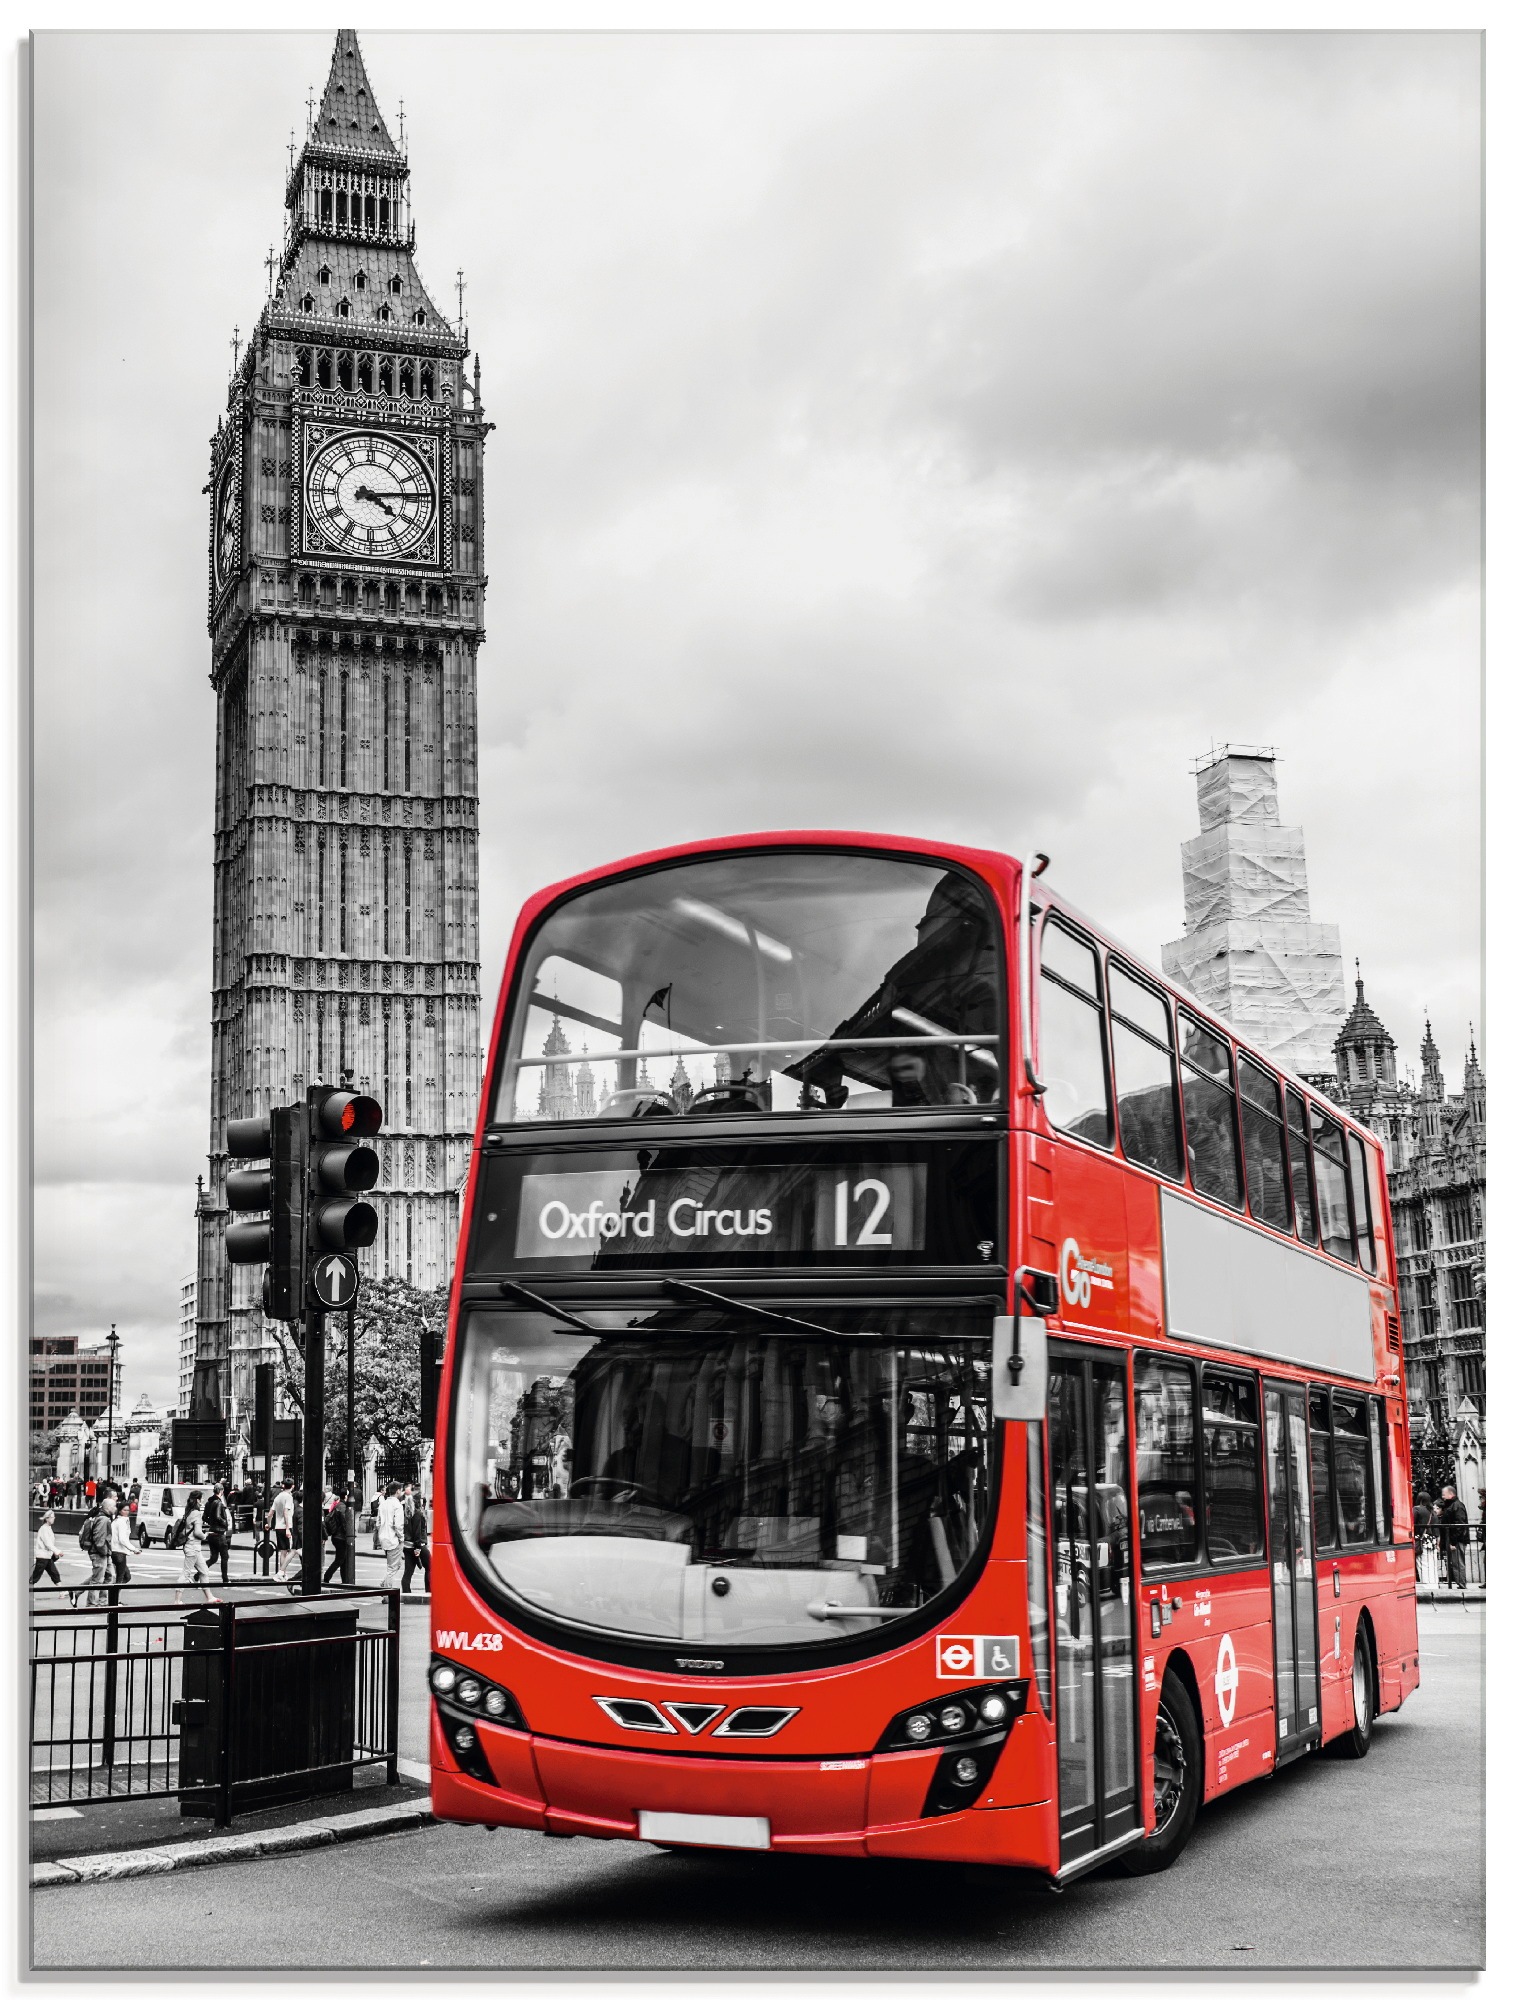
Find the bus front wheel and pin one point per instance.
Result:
(1178, 1778)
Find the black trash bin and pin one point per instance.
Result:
(288, 1729)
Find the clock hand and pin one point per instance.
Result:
(367, 493)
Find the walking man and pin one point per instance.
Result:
(95, 1540)
(281, 1518)
(390, 1526)
(218, 1530)
(1454, 1536)
(334, 1525)
(120, 1548)
(417, 1554)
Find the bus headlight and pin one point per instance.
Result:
(454, 1688)
(496, 1703)
(964, 1770)
(444, 1677)
(954, 1719)
(918, 1728)
(469, 1692)
(993, 1708)
(967, 1715)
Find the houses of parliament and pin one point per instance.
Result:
(346, 608)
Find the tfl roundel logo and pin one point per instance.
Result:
(977, 1658)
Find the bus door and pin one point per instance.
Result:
(1091, 1528)
(1291, 1552)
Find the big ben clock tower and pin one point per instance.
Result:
(346, 612)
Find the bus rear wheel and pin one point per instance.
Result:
(1354, 1742)
(1178, 1776)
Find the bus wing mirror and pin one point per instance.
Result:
(1020, 1368)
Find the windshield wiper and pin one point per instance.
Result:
(512, 1290)
(762, 1312)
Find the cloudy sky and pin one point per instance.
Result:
(952, 435)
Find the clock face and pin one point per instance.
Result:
(370, 495)
(226, 527)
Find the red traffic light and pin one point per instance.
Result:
(347, 1114)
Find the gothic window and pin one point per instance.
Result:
(321, 730)
(370, 596)
(384, 314)
(344, 371)
(419, 316)
(394, 284)
(320, 906)
(391, 597)
(433, 601)
(1467, 1306)
(361, 281)
(383, 207)
(413, 604)
(386, 367)
(323, 371)
(307, 593)
(342, 886)
(324, 274)
(386, 732)
(365, 373)
(386, 918)
(342, 708)
(407, 935)
(325, 209)
(426, 381)
(344, 309)
(407, 379)
(349, 603)
(302, 362)
(368, 211)
(328, 593)
(307, 304)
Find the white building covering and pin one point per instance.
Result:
(1249, 949)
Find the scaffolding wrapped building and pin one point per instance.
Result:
(1249, 949)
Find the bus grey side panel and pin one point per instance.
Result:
(1237, 1287)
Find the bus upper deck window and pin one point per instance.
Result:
(1331, 1186)
(1146, 1094)
(1262, 1133)
(1210, 1112)
(1301, 1178)
(1071, 1036)
(763, 983)
(1362, 1209)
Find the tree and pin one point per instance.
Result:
(390, 1318)
(42, 1453)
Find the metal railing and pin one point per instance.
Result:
(136, 1701)
(1452, 1558)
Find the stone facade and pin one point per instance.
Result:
(344, 640)
(1436, 1155)
(1250, 950)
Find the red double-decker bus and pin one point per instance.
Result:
(916, 1383)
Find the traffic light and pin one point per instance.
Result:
(279, 1188)
(340, 1168)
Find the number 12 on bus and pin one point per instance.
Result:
(916, 1384)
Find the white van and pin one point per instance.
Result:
(160, 1507)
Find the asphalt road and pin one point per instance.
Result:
(1325, 1865)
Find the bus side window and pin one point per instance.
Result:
(1367, 1254)
(1349, 1457)
(1210, 1112)
(1167, 1474)
(1146, 1096)
(1262, 1138)
(1233, 1476)
(1331, 1186)
(1383, 1503)
(1320, 1469)
(1071, 1037)
(1299, 1169)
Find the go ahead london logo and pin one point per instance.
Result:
(1080, 1276)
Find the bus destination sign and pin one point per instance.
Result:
(932, 1204)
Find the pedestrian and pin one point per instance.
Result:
(334, 1527)
(389, 1523)
(417, 1554)
(45, 1551)
(1454, 1536)
(218, 1530)
(120, 1547)
(95, 1540)
(1423, 1512)
(281, 1519)
(192, 1533)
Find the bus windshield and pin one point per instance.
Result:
(776, 982)
(691, 1473)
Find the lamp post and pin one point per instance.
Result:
(114, 1344)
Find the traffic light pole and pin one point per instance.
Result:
(315, 1427)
